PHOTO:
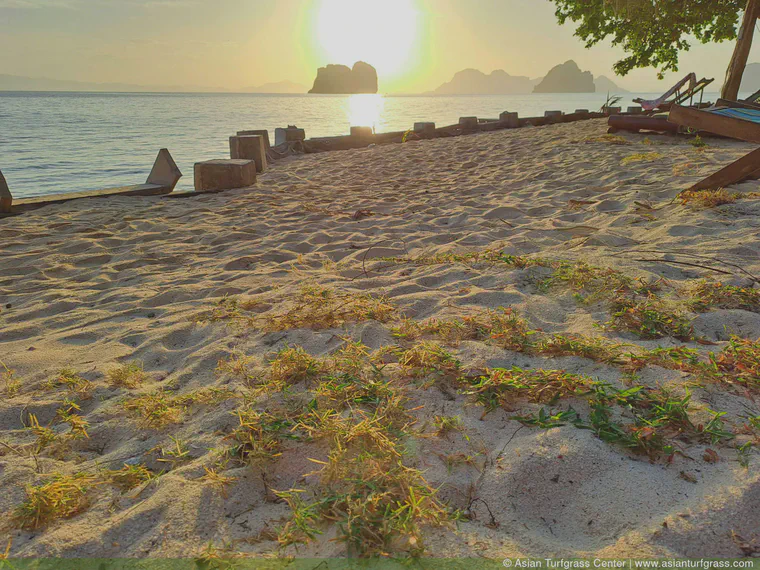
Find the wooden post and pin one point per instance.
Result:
(741, 52)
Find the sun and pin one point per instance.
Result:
(380, 32)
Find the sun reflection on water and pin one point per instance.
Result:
(366, 111)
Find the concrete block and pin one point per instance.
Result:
(424, 129)
(553, 116)
(468, 122)
(261, 132)
(510, 120)
(6, 199)
(250, 147)
(215, 175)
(635, 110)
(581, 111)
(291, 134)
(613, 110)
(362, 133)
(165, 172)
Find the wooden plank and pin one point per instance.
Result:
(138, 190)
(716, 124)
(746, 167)
(737, 104)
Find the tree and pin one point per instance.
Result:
(653, 32)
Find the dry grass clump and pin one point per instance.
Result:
(677, 358)
(157, 410)
(258, 437)
(11, 384)
(738, 363)
(426, 358)
(706, 295)
(78, 424)
(641, 157)
(162, 408)
(73, 382)
(294, 365)
(593, 348)
(128, 477)
(63, 497)
(216, 479)
(502, 387)
(649, 319)
(128, 375)
(703, 199)
(319, 308)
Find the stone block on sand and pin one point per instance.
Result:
(291, 134)
(613, 110)
(250, 147)
(510, 120)
(468, 122)
(362, 133)
(425, 129)
(553, 116)
(635, 110)
(6, 200)
(260, 132)
(213, 175)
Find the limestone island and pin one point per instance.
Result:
(341, 79)
(567, 78)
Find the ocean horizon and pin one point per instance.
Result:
(58, 142)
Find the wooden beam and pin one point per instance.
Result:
(737, 104)
(745, 167)
(741, 51)
(715, 124)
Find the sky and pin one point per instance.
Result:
(238, 44)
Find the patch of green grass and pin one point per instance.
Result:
(545, 419)
(128, 375)
(294, 365)
(698, 142)
(259, 435)
(597, 349)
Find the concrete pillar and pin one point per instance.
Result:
(554, 116)
(261, 132)
(581, 111)
(634, 110)
(510, 120)
(291, 134)
(470, 123)
(165, 172)
(250, 147)
(364, 133)
(424, 129)
(215, 175)
(6, 199)
(612, 110)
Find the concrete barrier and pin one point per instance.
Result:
(250, 147)
(165, 172)
(510, 120)
(6, 199)
(261, 133)
(609, 111)
(291, 134)
(581, 111)
(635, 110)
(470, 123)
(215, 175)
(553, 116)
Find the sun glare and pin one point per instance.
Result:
(380, 33)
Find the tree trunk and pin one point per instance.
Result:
(741, 52)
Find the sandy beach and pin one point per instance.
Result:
(474, 345)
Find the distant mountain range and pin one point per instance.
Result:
(499, 82)
(19, 83)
